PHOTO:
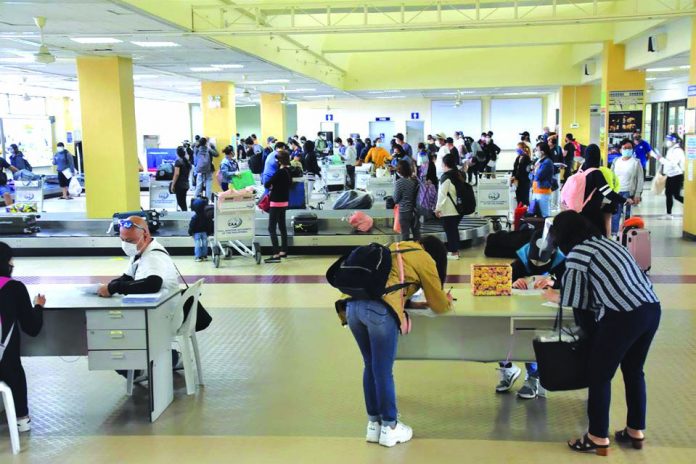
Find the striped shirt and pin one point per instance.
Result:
(601, 274)
(405, 192)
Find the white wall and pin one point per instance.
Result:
(663, 90)
(466, 117)
(678, 41)
(510, 116)
(170, 120)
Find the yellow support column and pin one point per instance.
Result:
(108, 135)
(616, 78)
(68, 126)
(218, 107)
(689, 182)
(272, 116)
(575, 112)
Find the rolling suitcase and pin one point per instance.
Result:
(305, 224)
(638, 243)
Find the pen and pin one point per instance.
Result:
(449, 292)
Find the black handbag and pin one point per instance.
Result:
(203, 317)
(563, 359)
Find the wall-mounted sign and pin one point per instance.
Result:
(382, 119)
(329, 117)
(69, 137)
(692, 91)
(415, 115)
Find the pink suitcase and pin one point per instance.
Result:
(638, 243)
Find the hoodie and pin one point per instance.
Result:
(200, 222)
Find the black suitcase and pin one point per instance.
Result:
(18, 224)
(151, 216)
(532, 222)
(305, 224)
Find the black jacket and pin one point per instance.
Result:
(520, 170)
(200, 222)
(310, 163)
(16, 308)
(279, 186)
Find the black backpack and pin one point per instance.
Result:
(466, 199)
(363, 272)
(256, 163)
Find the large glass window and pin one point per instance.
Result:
(511, 116)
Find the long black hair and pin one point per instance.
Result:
(437, 250)
(571, 228)
(593, 157)
(5, 258)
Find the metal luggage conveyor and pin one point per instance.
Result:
(72, 233)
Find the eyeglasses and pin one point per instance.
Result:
(127, 224)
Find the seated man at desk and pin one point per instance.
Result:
(150, 270)
(541, 260)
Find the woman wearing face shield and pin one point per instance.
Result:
(673, 167)
(17, 314)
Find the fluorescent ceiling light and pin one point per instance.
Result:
(145, 76)
(17, 60)
(204, 69)
(685, 67)
(651, 78)
(389, 97)
(95, 40)
(156, 44)
(228, 66)
(659, 69)
(383, 91)
(300, 90)
(267, 81)
(319, 96)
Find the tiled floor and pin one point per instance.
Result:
(283, 382)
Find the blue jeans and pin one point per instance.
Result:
(542, 202)
(204, 180)
(200, 244)
(616, 218)
(376, 331)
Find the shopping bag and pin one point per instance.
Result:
(243, 180)
(397, 225)
(265, 203)
(74, 188)
(659, 183)
(563, 358)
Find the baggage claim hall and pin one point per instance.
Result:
(452, 231)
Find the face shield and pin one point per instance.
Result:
(542, 245)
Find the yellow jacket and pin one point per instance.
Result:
(419, 269)
(378, 156)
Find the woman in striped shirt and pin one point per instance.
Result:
(603, 278)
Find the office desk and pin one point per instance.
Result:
(113, 336)
(481, 328)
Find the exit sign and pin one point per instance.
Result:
(415, 115)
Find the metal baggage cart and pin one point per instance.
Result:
(234, 228)
(494, 200)
(380, 188)
(336, 177)
(30, 193)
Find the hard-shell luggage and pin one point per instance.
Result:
(18, 224)
(305, 224)
(505, 244)
(638, 243)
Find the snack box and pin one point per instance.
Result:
(491, 279)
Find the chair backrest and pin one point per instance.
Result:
(192, 293)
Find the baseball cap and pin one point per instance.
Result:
(449, 140)
(441, 135)
(271, 139)
(399, 136)
(525, 133)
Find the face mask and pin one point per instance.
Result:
(537, 154)
(669, 143)
(520, 151)
(438, 144)
(130, 249)
(488, 140)
(626, 153)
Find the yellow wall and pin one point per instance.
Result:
(272, 117)
(616, 77)
(219, 124)
(690, 185)
(108, 135)
(575, 108)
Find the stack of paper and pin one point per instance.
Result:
(144, 298)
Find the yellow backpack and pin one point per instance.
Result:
(611, 178)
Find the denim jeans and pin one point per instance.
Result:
(616, 217)
(621, 339)
(204, 181)
(200, 244)
(410, 225)
(376, 331)
(542, 201)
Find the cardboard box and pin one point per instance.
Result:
(491, 279)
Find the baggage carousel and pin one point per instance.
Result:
(71, 234)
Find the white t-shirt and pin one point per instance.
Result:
(439, 166)
(350, 154)
(623, 168)
(459, 143)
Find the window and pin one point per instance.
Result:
(511, 116)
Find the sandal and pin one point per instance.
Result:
(584, 445)
(622, 436)
(272, 259)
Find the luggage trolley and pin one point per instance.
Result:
(234, 227)
(494, 201)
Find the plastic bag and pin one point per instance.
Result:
(74, 188)
(659, 184)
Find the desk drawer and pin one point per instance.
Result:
(117, 359)
(116, 339)
(115, 319)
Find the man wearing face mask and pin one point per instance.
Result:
(629, 170)
(150, 269)
(641, 149)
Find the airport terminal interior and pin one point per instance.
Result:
(163, 155)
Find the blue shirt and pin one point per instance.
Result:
(269, 168)
(227, 168)
(63, 160)
(642, 149)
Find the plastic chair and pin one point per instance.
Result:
(186, 337)
(8, 401)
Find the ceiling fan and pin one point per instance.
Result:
(44, 55)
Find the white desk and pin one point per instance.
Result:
(481, 328)
(112, 335)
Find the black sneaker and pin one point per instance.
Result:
(272, 259)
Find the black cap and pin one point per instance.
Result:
(399, 136)
(525, 133)
(449, 140)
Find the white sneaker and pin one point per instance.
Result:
(508, 377)
(24, 424)
(668, 217)
(374, 429)
(392, 436)
(452, 256)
